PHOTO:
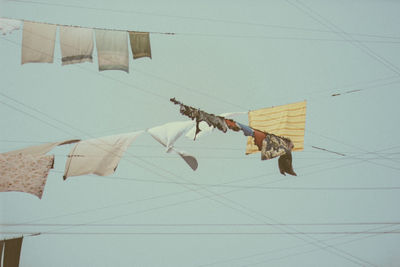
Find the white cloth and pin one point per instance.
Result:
(24, 172)
(205, 129)
(9, 25)
(112, 50)
(98, 156)
(41, 149)
(38, 40)
(168, 133)
(76, 44)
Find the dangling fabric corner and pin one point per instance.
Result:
(99, 156)
(38, 41)
(140, 44)
(112, 50)
(286, 120)
(76, 44)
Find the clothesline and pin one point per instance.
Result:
(94, 28)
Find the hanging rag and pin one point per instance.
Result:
(40, 149)
(1, 250)
(99, 156)
(285, 164)
(287, 120)
(112, 50)
(76, 44)
(25, 173)
(9, 25)
(232, 125)
(169, 133)
(12, 252)
(38, 40)
(140, 44)
(247, 131)
(258, 138)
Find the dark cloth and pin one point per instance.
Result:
(12, 252)
(199, 115)
(285, 164)
(247, 131)
(1, 250)
(258, 138)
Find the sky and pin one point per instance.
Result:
(234, 210)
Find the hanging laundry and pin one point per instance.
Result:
(232, 125)
(205, 128)
(112, 50)
(258, 138)
(12, 252)
(1, 251)
(167, 135)
(247, 131)
(285, 164)
(199, 115)
(98, 156)
(41, 149)
(9, 25)
(140, 44)
(38, 40)
(25, 173)
(287, 120)
(76, 44)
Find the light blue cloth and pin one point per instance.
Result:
(247, 131)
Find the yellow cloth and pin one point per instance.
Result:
(286, 120)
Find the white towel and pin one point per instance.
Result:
(41, 149)
(98, 156)
(76, 44)
(112, 50)
(38, 41)
(9, 25)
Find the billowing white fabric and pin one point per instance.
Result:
(38, 40)
(205, 129)
(98, 156)
(24, 172)
(168, 133)
(112, 50)
(76, 44)
(41, 149)
(9, 25)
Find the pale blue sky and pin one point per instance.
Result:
(226, 56)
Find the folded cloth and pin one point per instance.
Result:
(98, 156)
(76, 44)
(9, 25)
(12, 252)
(41, 149)
(24, 172)
(112, 50)
(38, 40)
(140, 44)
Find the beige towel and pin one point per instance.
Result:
(76, 44)
(286, 120)
(98, 156)
(25, 173)
(112, 50)
(38, 41)
(140, 44)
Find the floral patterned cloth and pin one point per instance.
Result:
(25, 173)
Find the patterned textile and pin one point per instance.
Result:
(274, 146)
(76, 44)
(287, 120)
(24, 173)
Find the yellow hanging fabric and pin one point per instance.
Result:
(286, 120)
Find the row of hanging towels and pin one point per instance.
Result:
(38, 43)
(26, 170)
